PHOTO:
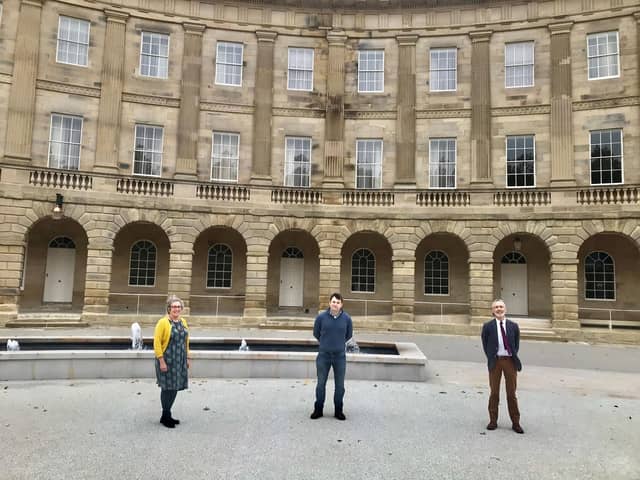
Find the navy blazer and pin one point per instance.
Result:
(490, 342)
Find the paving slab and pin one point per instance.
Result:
(580, 424)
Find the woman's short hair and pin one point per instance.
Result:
(173, 299)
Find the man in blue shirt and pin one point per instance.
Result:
(332, 328)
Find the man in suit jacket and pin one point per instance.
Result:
(501, 341)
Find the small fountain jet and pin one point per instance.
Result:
(136, 337)
(12, 345)
(243, 346)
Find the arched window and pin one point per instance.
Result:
(363, 271)
(62, 242)
(219, 267)
(599, 277)
(513, 257)
(292, 252)
(142, 268)
(436, 273)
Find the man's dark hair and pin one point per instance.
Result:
(336, 295)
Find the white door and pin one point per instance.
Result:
(514, 288)
(291, 282)
(58, 282)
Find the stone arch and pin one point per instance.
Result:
(536, 229)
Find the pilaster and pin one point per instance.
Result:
(109, 113)
(262, 119)
(22, 99)
(255, 305)
(180, 274)
(329, 279)
(562, 163)
(97, 283)
(406, 107)
(189, 117)
(403, 291)
(480, 108)
(12, 258)
(480, 288)
(564, 294)
(334, 117)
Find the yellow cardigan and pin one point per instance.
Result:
(162, 334)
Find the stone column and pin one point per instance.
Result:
(97, 284)
(12, 260)
(406, 123)
(403, 296)
(564, 295)
(480, 108)
(334, 116)
(480, 287)
(329, 277)
(189, 119)
(562, 163)
(112, 80)
(22, 99)
(263, 101)
(180, 271)
(255, 304)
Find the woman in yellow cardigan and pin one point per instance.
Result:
(171, 347)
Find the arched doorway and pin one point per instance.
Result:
(292, 278)
(513, 283)
(59, 271)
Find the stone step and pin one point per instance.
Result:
(45, 324)
(44, 316)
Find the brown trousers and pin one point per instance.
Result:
(506, 366)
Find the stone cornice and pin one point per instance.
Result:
(226, 108)
(116, 16)
(298, 112)
(370, 115)
(68, 88)
(407, 40)
(34, 3)
(5, 78)
(521, 110)
(444, 113)
(266, 36)
(606, 103)
(557, 28)
(194, 28)
(151, 100)
(480, 36)
(337, 38)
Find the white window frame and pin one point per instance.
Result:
(153, 152)
(435, 71)
(155, 265)
(229, 158)
(290, 165)
(159, 58)
(506, 163)
(448, 271)
(69, 143)
(362, 71)
(206, 279)
(75, 43)
(520, 63)
(223, 65)
(361, 142)
(599, 56)
(615, 289)
(434, 164)
(293, 69)
(621, 182)
(375, 272)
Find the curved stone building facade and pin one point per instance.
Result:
(253, 157)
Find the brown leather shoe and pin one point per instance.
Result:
(517, 428)
(492, 426)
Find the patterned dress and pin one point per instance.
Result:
(175, 356)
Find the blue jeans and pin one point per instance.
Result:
(324, 361)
